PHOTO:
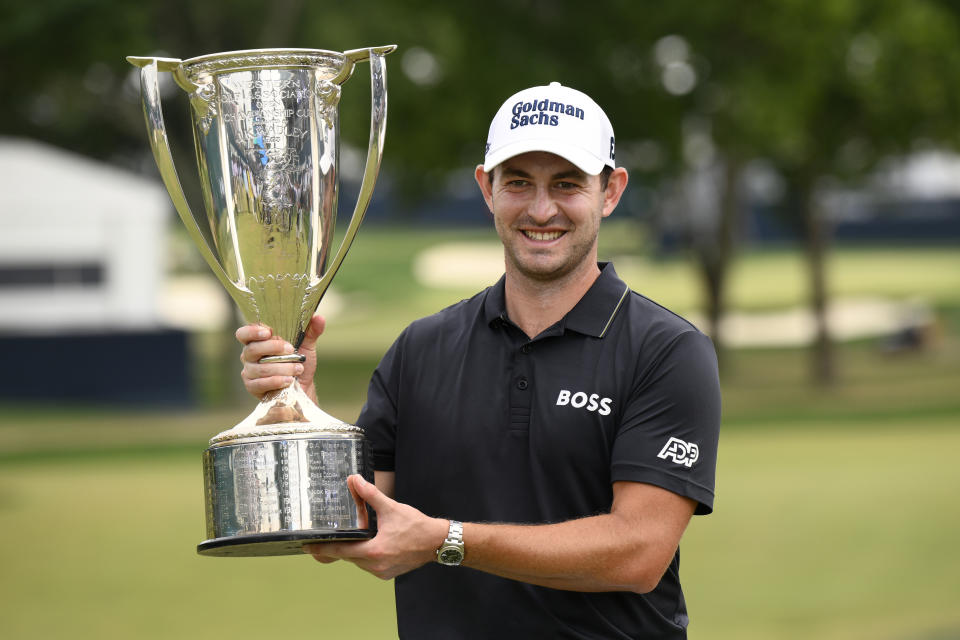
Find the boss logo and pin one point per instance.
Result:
(580, 400)
(685, 453)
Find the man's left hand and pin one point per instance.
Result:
(406, 538)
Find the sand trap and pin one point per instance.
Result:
(848, 319)
(458, 265)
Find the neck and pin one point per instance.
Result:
(533, 305)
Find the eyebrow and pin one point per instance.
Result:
(518, 173)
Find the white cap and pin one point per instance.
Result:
(556, 119)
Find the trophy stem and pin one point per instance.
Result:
(286, 411)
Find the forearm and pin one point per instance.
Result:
(598, 553)
(628, 549)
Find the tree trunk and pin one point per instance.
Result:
(715, 251)
(816, 232)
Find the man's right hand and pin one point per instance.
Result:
(258, 341)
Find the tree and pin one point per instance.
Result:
(819, 88)
(823, 89)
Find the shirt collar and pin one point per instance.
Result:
(495, 302)
(591, 316)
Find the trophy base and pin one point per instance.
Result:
(287, 543)
(271, 487)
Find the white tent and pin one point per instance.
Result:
(82, 244)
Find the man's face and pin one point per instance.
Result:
(547, 213)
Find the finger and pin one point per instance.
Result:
(363, 519)
(260, 386)
(250, 332)
(314, 330)
(254, 371)
(368, 492)
(339, 550)
(258, 349)
(316, 550)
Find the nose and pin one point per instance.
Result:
(543, 208)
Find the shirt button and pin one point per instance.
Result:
(525, 348)
(522, 383)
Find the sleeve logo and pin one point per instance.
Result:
(685, 453)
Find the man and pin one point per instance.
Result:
(568, 423)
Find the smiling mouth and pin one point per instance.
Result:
(542, 235)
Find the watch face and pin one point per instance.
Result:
(451, 556)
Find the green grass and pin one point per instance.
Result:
(771, 388)
(106, 550)
(835, 517)
(841, 530)
(778, 278)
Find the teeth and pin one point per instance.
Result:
(543, 235)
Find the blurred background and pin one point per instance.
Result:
(794, 191)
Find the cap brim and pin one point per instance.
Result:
(586, 162)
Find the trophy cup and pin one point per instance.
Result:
(266, 127)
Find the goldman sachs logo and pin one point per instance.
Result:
(544, 111)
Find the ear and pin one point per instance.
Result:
(615, 187)
(485, 187)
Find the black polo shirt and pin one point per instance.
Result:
(483, 424)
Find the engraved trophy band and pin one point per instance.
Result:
(266, 130)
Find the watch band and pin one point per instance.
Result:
(451, 551)
(455, 533)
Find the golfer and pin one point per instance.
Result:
(539, 448)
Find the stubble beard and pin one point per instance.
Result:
(578, 258)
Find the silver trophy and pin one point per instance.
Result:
(266, 127)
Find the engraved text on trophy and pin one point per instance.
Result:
(273, 133)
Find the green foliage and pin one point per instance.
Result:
(795, 81)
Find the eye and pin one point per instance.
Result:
(565, 185)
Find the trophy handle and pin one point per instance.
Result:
(378, 127)
(157, 132)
